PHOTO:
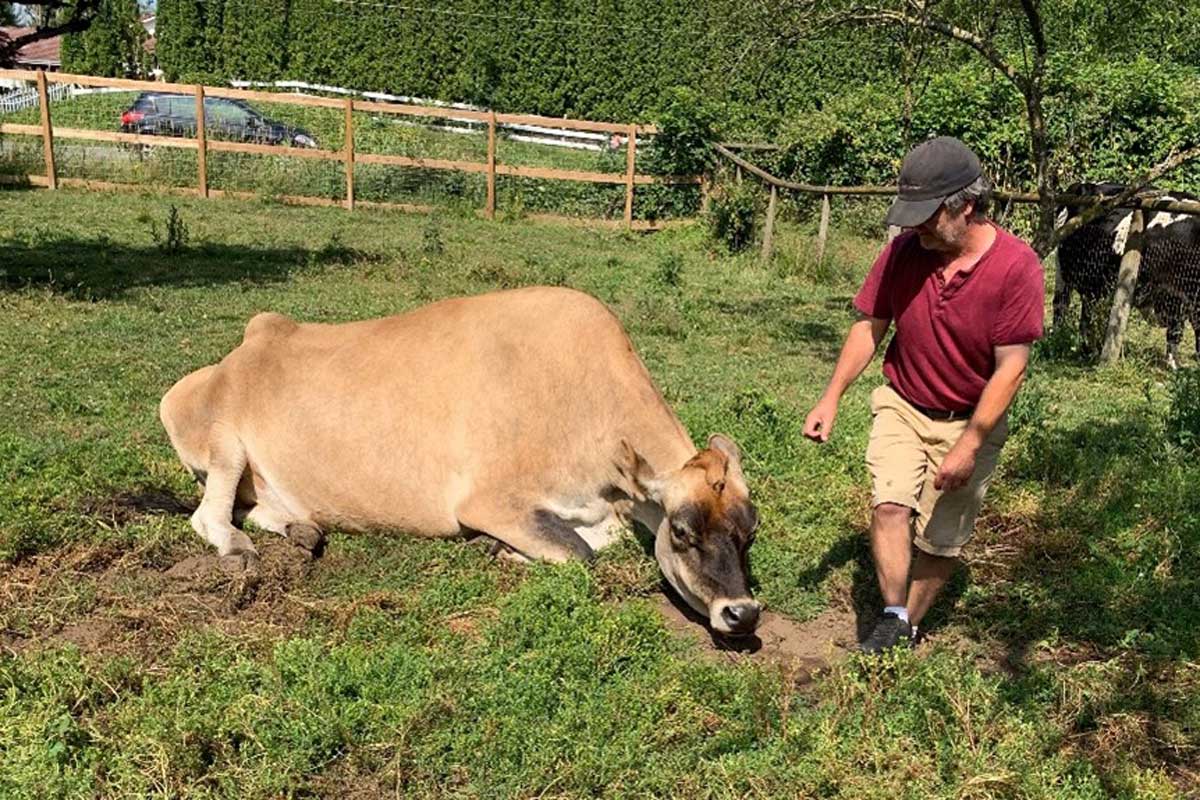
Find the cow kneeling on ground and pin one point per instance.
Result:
(524, 415)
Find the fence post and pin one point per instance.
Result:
(823, 228)
(769, 229)
(630, 159)
(201, 143)
(1114, 338)
(349, 153)
(47, 130)
(490, 210)
(704, 194)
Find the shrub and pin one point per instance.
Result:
(733, 214)
(174, 237)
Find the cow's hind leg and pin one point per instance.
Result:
(536, 534)
(213, 520)
(1087, 323)
(302, 533)
(1174, 339)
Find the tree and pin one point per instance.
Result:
(981, 35)
(1013, 40)
(53, 18)
(111, 45)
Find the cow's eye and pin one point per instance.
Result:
(681, 533)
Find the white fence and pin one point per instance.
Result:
(27, 97)
(576, 140)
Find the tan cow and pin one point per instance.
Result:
(524, 415)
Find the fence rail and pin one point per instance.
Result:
(47, 83)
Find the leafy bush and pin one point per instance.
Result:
(733, 214)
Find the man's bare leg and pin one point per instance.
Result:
(891, 547)
(929, 575)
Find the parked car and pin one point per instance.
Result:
(163, 114)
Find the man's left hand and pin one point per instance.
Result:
(957, 468)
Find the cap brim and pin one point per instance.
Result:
(911, 213)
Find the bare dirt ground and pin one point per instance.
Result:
(805, 648)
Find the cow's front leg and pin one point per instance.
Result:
(213, 520)
(1062, 299)
(536, 534)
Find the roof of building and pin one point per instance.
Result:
(44, 52)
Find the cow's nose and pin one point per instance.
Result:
(741, 617)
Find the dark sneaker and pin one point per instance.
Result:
(889, 632)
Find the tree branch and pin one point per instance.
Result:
(1035, 26)
(1135, 188)
(972, 40)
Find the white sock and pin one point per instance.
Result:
(899, 611)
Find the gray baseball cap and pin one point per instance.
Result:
(931, 172)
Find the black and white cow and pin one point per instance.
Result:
(1168, 288)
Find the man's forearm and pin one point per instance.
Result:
(857, 353)
(997, 395)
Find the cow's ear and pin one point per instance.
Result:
(726, 447)
(637, 479)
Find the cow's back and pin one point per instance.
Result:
(394, 422)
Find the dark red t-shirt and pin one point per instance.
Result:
(942, 353)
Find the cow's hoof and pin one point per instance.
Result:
(245, 561)
(239, 554)
(307, 536)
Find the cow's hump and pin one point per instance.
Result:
(268, 324)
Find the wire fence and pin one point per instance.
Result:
(318, 149)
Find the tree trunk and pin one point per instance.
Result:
(1039, 145)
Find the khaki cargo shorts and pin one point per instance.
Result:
(904, 453)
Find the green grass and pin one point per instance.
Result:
(374, 133)
(1063, 662)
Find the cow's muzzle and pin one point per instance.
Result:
(736, 617)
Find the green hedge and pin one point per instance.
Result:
(1122, 82)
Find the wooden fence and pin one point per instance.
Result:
(1130, 260)
(348, 156)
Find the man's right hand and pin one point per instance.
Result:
(819, 423)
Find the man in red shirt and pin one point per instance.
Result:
(966, 298)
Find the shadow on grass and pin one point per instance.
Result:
(818, 337)
(96, 269)
(1110, 560)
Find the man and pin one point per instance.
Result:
(966, 298)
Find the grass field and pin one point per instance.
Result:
(373, 133)
(1065, 661)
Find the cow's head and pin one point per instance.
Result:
(706, 531)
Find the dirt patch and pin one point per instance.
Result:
(90, 634)
(804, 648)
(112, 601)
